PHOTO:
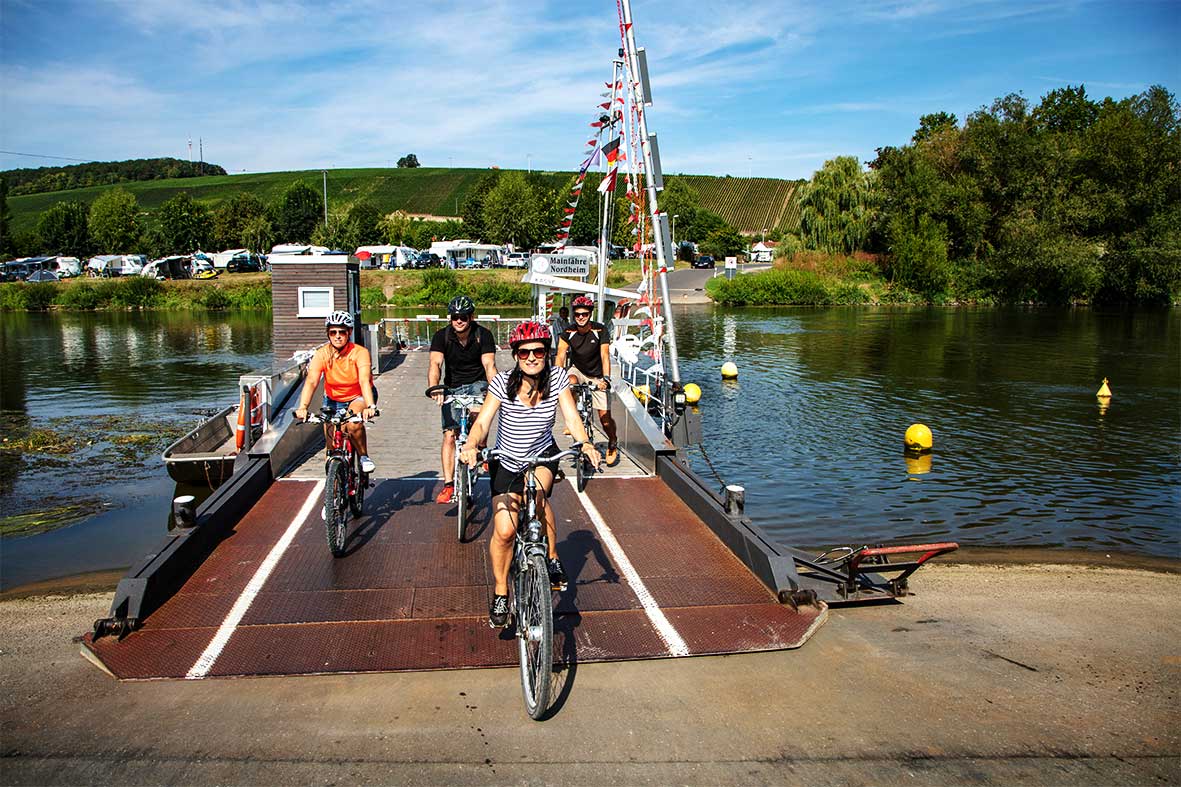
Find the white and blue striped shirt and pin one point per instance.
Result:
(525, 431)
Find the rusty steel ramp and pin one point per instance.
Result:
(648, 579)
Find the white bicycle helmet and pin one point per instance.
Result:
(339, 318)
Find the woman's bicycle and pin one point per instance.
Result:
(465, 477)
(345, 482)
(585, 403)
(532, 606)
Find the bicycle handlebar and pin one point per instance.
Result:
(464, 400)
(532, 461)
(337, 417)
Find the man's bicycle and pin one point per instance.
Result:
(465, 477)
(345, 482)
(585, 403)
(532, 606)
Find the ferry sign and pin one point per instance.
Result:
(561, 264)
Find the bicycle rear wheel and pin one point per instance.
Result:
(535, 634)
(336, 506)
(463, 493)
(357, 498)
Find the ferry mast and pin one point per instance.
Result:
(640, 94)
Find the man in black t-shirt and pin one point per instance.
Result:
(469, 352)
(587, 347)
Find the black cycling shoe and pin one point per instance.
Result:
(557, 575)
(498, 612)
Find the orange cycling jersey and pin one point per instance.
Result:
(342, 381)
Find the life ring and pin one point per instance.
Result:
(240, 430)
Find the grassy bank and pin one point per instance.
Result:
(812, 279)
(487, 288)
(135, 292)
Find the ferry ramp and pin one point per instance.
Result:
(648, 578)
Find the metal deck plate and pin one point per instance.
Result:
(408, 596)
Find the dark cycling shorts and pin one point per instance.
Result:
(505, 480)
(336, 407)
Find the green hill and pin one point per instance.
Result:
(750, 204)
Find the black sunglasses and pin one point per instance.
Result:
(582, 314)
(537, 352)
(461, 317)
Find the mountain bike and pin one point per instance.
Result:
(465, 477)
(345, 483)
(532, 607)
(585, 403)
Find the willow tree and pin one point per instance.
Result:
(837, 206)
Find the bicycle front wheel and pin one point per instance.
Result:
(584, 471)
(357, 498)
(463, 491)
(535, 634)
(336, 490)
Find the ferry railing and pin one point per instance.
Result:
(266, 393)
(416, 332)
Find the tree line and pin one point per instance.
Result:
(102, 173)
(1071, 200)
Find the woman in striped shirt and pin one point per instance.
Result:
(527, 398)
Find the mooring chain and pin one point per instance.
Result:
(714, 470)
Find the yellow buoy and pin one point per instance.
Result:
(729, 371)
(918, 438)
(642, 393)
(692, 393)
(1104, 392)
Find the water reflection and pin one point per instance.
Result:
(814, 424)
(77, 374)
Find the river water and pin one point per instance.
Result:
(813, 427)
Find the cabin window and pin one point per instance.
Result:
(315, 301)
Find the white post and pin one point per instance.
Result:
(325, 172)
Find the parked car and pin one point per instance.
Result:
(517, 259)
(704, 261)
(428, 259)
(244, 264)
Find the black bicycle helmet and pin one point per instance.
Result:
(461, 304)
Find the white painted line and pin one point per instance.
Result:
(672, 640)
(207, 659)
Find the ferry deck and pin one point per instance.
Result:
(648, 577)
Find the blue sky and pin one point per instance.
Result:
(772, 88)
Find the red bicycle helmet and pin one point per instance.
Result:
(583, 301)
(529, 332)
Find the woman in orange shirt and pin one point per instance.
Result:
(347, 381)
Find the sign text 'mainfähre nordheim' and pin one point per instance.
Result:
(561, 264)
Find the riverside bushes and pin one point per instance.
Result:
(134, 292)
(785, 287)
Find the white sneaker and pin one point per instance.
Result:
(367, 465)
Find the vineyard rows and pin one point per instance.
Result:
(749, 204)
